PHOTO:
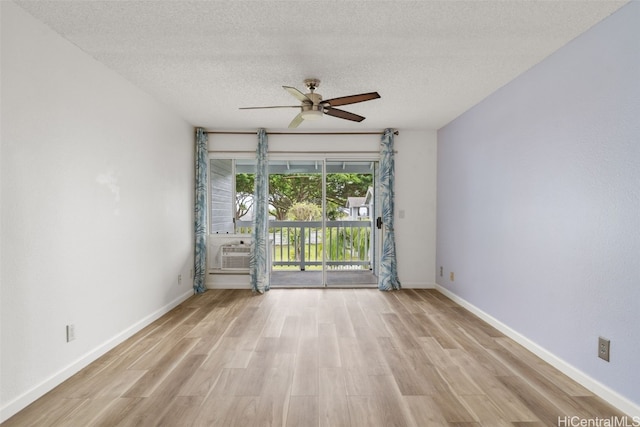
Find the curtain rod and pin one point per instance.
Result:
(296, 133)
(296, 152)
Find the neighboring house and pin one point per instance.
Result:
(360, 207)
(357, 207)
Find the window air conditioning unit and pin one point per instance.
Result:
(235, 257)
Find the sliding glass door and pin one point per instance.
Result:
(322, 224)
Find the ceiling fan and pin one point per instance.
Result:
(312, 107)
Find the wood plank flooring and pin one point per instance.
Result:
(316, 357)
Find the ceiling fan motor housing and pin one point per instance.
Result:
(315, 98)
(314, 110)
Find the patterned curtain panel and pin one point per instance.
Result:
(200, 257)
(388, 277)
(258, 261)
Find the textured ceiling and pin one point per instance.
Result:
(429, 60)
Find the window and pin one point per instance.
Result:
(230, 193)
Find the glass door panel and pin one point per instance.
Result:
(350, 234)
(295, 223)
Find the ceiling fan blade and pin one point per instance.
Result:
(351, 99)
(296, 121)
(297, 94)
(343, 114)
(273, 106)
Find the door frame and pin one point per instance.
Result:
(376, 236)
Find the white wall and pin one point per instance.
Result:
(539, 204)
(415, 187)
(96, 208)
(415, 166)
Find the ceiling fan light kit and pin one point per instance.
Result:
(312, 107)
(312, 115)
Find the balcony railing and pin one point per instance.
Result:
(301, 244)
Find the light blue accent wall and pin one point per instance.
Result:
(538, 203)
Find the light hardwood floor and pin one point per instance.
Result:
(316, 357)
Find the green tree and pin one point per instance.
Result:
(244, 194)
(304, 211)
(340, 186)
(285, 190)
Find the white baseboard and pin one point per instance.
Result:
(25, 399)
(227, 286)
(228, 281)
(417, 285)
(239, 281)
(599, 389)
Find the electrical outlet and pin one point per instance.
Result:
(179, 279)
(71, 333)
(604, 345)
(452, 276)
(441, 271)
